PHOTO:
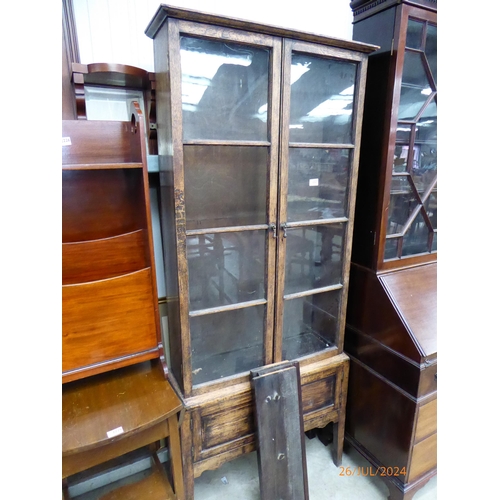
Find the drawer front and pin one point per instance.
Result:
(230, 423)
(428, 380)
(319, 394)
(424, 457)
(227, 422)
(426, 420)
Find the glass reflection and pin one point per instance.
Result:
(415, 86)
(391, 248)
(225, 186)
(317, 183)
(224, 90)
(416, 238)
(313, 257)
(414, 34)
(227, 343)
(402, 203)
(431, 208)
(431, 49)
(225, 268)
(321, 99)
(310, 324)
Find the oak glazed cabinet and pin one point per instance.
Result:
(258, 134)
(391, 327)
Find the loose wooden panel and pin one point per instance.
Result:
(424, 457)
(102, 259)
(280, 433)
(426, 420)
(107, 319)
(101, 203)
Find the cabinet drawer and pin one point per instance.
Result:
(426, 420)
(424, 457)
(108, 319)
(428, 380)
(228, 424)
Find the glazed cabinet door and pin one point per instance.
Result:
(318, 170)
(411, 201)
(225, 104)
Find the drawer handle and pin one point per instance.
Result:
(436, 377)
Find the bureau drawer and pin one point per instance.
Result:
(428, 380)
(426, 420)
(424, 457)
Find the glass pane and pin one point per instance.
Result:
(431, 208)
(226, 343)
(415, 86)
(313, 257)
(225, 186)
(431, 49)
(321, 99)
(317, 183)
(401, 148)
(391, 248)
(224, 90)
(225, 268)
(402, 203)
(425, 168)
(414, 34)
(310, 324)
(435, 242)
(416, 239)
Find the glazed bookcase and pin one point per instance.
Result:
(258, 141)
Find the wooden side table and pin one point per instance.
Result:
(108, 415)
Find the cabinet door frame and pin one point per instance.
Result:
(403, 15)
(176, 28)
(290, 46)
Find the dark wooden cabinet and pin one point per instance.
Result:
(258, 140)
(109, 299)
(391, 330)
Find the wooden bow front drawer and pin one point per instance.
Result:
(107, 319)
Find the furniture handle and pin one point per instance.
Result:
(284, 226)
(273, 227)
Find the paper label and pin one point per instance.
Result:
(313, 182)
(115, 432)
(66, 141)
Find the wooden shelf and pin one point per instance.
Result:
(101, 166)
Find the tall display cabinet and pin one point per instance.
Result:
(258, 141)
(391, 331)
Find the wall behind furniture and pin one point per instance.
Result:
(112, 31)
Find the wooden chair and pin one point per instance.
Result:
(114, 413)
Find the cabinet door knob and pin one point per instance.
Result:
(273, 227)
(284, 226)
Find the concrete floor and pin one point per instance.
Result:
(239, 479)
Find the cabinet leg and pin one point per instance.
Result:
(187, 458)
(176, 457)
(338, 443)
